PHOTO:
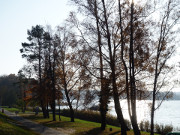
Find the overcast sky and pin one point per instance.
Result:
(16, 16)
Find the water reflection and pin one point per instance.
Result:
(168, 113)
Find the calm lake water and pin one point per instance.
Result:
(168, 113)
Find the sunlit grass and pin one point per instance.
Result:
(12, 109)
(9, 127)
(78, 127)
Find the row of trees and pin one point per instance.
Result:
(116, 47)
(53, 62)
(9, 90)
(12, 91)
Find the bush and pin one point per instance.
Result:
(163, 130)
(147, 126)
(168, 128)
(141, 126)
(93, 116)
(158, 128)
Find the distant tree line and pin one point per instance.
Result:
(9, 90)
(117, 48)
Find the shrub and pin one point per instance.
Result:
(158, 128)
(93, 116)
(147, 126)
(141, 126)
(163, 129)
(168, 128)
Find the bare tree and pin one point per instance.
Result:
(67, 66)
(164, 49)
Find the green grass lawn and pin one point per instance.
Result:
(79, 127)
(12, 109)
(15, 109)
(9, 127)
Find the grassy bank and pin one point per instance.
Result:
(74, 128)
(10, 127)
(12, 109)
(79, 127)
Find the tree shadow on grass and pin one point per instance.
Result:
(98, 131)
(33, 117)
(57, 124)
(48, 122)
(94, 131)
(115, 133)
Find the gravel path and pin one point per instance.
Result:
(33, 125)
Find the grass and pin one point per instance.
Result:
(79, 127)
(74, 128)
(12, 109)
(10, 127)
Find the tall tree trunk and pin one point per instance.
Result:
(53, 94)
(152, 114)
(52, 78)
(122, 58)
(67, 96)
(70, 106)
(154, 89)
(59, 110)
(43, 109)
(24, 101)
(40, 82)
(54, 83)
(103, 93)
(132, 76)
(104, 99)
(47, 110)
(54, 110)
(118, 110)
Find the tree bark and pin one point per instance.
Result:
(40, 82)
(122, 58)
(67, 95)
(132, 76)
(103, 93)
(118, 110)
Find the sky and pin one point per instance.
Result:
(16, 17)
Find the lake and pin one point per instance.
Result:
(168, 113)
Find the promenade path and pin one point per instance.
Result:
(33, 125)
